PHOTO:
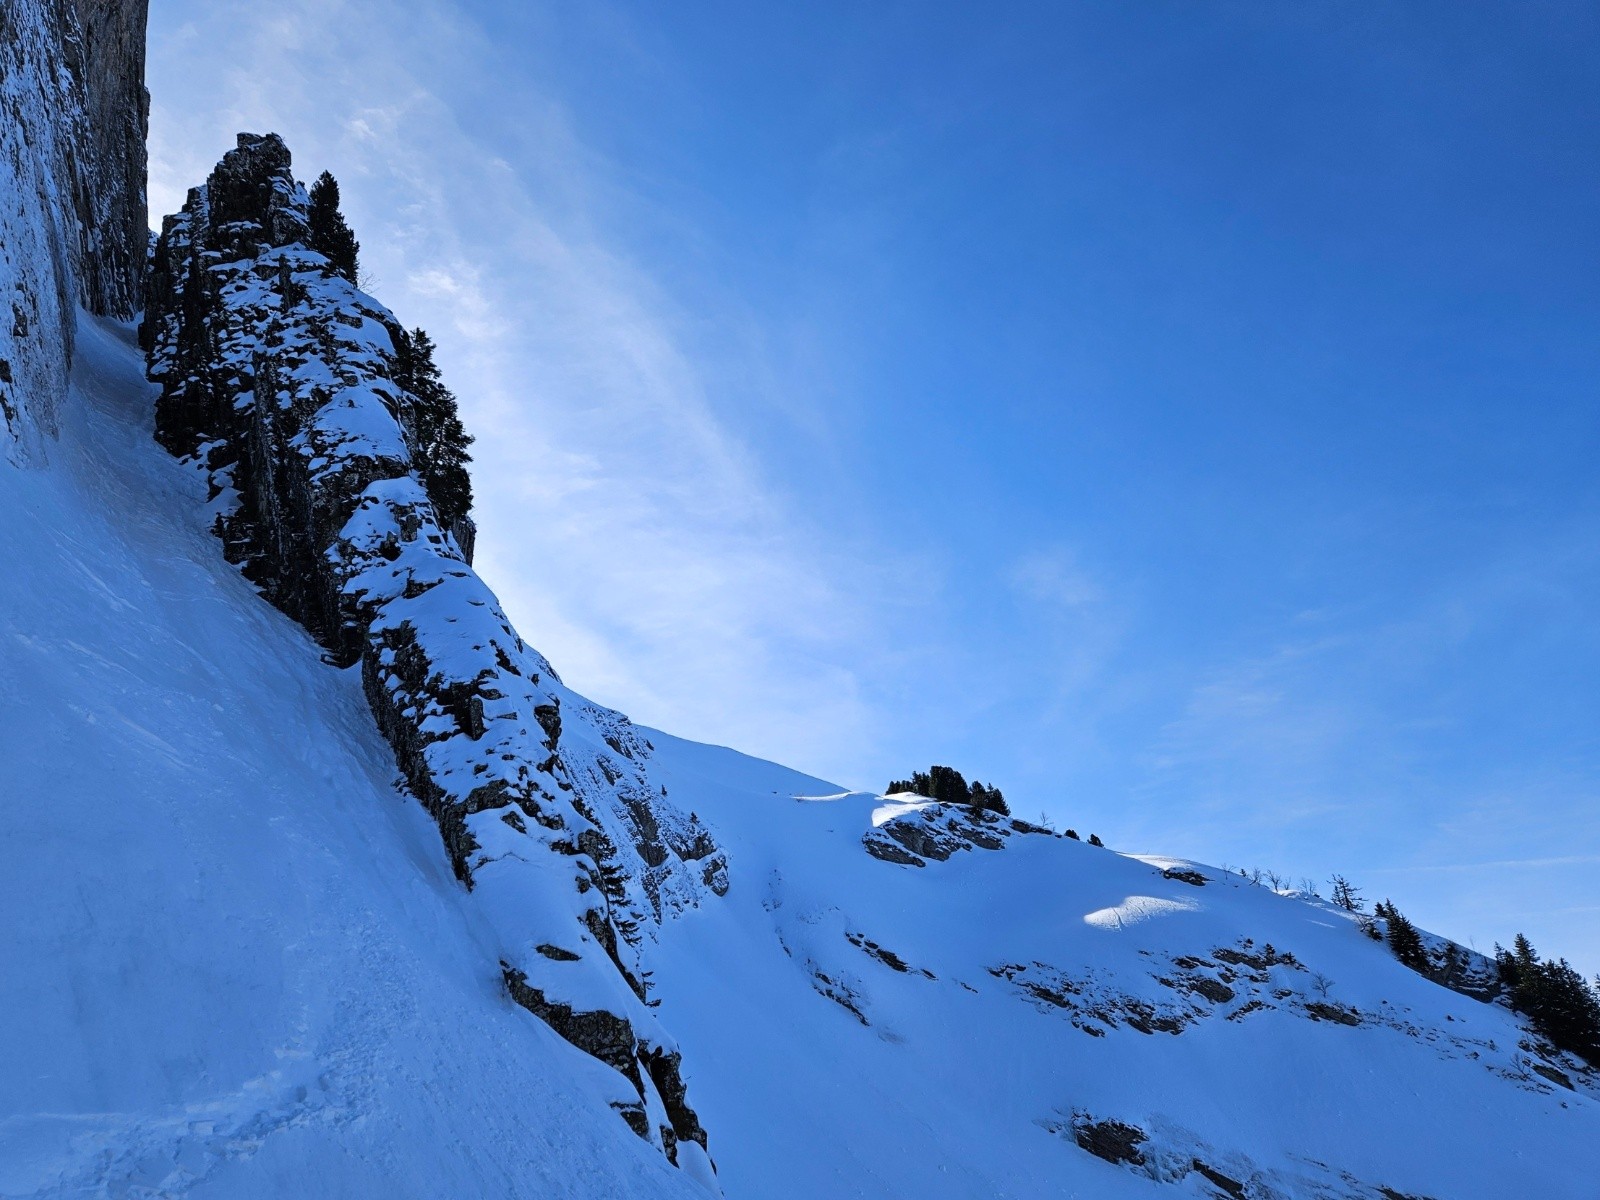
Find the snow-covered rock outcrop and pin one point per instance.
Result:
(905, 999)
(72, 167)
(278, 379)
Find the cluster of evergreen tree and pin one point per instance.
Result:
(1404, 939)
(439, 439)
(330, 234)
(948, 786)
(1557, 1000)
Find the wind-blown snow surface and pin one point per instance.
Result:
(234, 961)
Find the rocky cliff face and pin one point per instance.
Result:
(72, 169)
(278, 380)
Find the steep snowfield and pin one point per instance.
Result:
(234, 960)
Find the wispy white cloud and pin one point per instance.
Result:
(633, 538)
(1055, 576)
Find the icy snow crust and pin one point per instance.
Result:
(234, 961)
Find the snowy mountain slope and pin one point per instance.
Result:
(235, 961)
(240, 960)
(860, 1027)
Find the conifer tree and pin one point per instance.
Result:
(949, 786)
(1403, 938)
(440, 439)
(1555, 997)
(330, 234)
(1345, 894)
(995, 802)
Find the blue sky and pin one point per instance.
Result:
(1182, 415)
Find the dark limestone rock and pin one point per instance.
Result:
(105, 50)
(1212, 989)
(1559, 1078)
(1226, 1184)
(881, 848)
(602, 1034)
(666, 1072)
(884, 955)
(1336, 1013)
(937, 831)
(1113, 1141)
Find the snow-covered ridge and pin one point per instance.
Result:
(1017, 1013)
(278, 380)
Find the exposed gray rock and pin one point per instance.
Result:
(937, 831)
(884, 955)
(72, 165)
(1226, 1184)
(105, 52)
(1114, 1141)
(888, 851)
(1168, 1154)
(1337, 1013)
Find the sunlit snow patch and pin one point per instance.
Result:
(898, 808)
(1135, 909)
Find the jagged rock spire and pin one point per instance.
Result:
(282, 382)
